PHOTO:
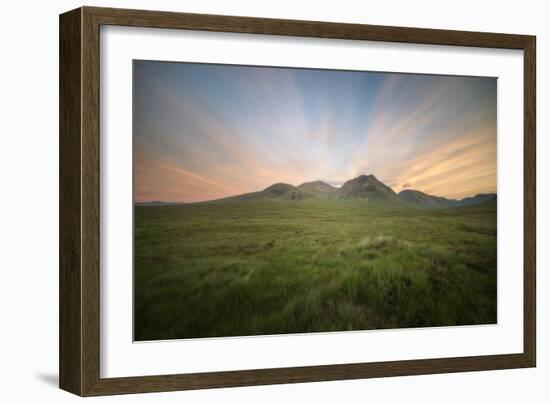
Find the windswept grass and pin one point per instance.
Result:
(268, 267)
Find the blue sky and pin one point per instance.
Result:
(204, 131)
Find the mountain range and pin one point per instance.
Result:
(365, 187)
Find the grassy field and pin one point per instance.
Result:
(267, 267)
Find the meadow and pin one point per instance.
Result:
(283, 266)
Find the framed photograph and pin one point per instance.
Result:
(248, 201)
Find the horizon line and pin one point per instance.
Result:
(311, 181)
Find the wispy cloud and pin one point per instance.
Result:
(208, 131)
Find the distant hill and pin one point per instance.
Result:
(156, 203)
(367, 187)
(318, 188)
(477, 199)
(490, 204)
(424, 200)
(278, 191)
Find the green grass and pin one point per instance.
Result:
(268, 267)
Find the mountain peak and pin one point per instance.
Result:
(321, 183)
(283, 191)
(317, 188)
(365, 177)
(279, 186)
(370, 178)
(368, 187)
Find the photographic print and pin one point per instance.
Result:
(274, 200)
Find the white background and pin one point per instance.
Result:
(29, 200)
(120, 357)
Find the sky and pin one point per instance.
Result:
(205, 131)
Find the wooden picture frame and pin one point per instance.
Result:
(79, 201)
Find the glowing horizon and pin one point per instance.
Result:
(204, 131)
